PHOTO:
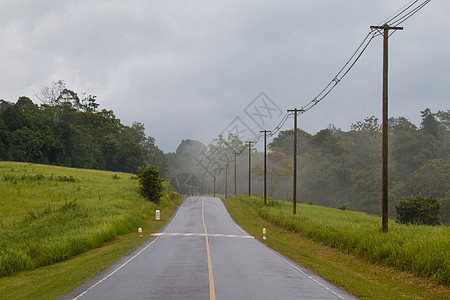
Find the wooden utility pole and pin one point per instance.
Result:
(214, 179)
(235, 173)
(249, 168)
(385, 129)
(294, 181)
(226, 180)
(265, 165)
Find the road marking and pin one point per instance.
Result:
(124, 264)
(202, 234)
(212, 292)
(300, 270)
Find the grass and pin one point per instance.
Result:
(320, 239)
(50, 214)
(55, 280)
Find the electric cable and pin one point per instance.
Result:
(398, 12)
(397, 18)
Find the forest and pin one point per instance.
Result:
(335, 168)
(68, 130)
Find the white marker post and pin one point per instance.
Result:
(158, 215)
(140, 232)
(264, 233)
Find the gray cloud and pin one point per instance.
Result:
(186, 69)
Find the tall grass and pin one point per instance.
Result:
(49, 214)
(423, 250)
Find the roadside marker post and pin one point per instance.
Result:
(264, 233)
(158, 215)
(140, 232)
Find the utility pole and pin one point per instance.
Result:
(265, 165)
(294, 182)
(214, 180)
(235, 173)
(226, 180)
(249, 168)
(385, 129)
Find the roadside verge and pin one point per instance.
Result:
(53, 281)
(357, 275)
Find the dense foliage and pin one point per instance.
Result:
(337, 168)
(418, 210)
(334, 168)
(68, 131)
(150, 183)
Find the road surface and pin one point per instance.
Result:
(203, 254)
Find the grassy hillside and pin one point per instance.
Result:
(349, 249)
(50, 214)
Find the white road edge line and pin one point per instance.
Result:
(125, 263)
(284, 259)
(232, 220)
(316, 281)
(301, 271)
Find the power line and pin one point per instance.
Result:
(398, 12)
(279, 126)
(403, 14)
(410, 14)
(397, 18)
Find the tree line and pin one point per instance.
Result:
(335, 168)
(68, 130)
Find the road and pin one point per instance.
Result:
(203, 254)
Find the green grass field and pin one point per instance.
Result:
(50, 214)
(423, 250)
(349, 249)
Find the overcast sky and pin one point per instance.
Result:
(191, 69)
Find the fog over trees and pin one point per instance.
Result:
(335, 168)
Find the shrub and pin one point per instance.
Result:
(150, 184)
(418, 210)
(66, 179)
(422, 250)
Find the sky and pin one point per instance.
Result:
(196, 69)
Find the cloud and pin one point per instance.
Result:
(186, 69)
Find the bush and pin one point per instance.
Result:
(422, 250)
(418, 210)
(150, 183)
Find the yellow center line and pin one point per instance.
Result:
(212, 292)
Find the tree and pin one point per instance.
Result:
(5, 141)
(369, 124)
(183, 160)
(150, 183)
(155, 156)
(418, 210)
(221, 150)
(278, 167)
(29, 146)
(67, 130)
(14, 118)
(429, 123)
(285, 141)
(48, 95)
(432, 178)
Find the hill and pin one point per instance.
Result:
(50, 214)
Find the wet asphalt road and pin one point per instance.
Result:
(203, 254)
